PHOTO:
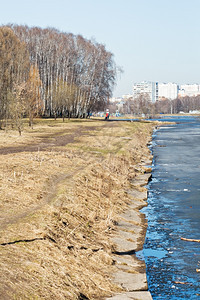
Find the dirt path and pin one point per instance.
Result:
(52, 185)
(48, 143)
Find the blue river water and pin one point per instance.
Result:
(173, 212)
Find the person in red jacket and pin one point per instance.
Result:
(107, 115)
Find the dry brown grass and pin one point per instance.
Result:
(60, 206)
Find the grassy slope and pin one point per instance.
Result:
(59, 205)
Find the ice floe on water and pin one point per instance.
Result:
(173, 212)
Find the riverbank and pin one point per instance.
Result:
(66, 190)
(130, 236)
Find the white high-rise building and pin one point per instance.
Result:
(146, 88)
(167, 90)
(189, 90)
(160, 91)
(127, 96)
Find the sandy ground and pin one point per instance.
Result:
(69, 211)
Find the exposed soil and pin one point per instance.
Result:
(49, 141)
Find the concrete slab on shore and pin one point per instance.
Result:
(129, 238)
(131, 282)
(138, 195)
(143, 295)
(141, 180)
(123, 245)
(126, 261)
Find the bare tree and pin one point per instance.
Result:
(34, 103)
(14, 68)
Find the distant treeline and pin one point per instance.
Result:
(143, 105)
(52, 73)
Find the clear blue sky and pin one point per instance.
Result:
(156, 40)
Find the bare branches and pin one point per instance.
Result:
(85, 70)
(14, 67)
(62, 74)
(34, 104)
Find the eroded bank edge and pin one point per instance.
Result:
(130, 238)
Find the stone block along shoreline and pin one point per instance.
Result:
(129, 239)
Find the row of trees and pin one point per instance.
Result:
(143, 105)
(44, 71)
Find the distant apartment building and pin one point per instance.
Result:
(127, 96)
(146, 88)
(167, 91)
(115, 99)
(160, 91)
(189, 90)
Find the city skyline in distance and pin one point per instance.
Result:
(161, 90)
(163, 82)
